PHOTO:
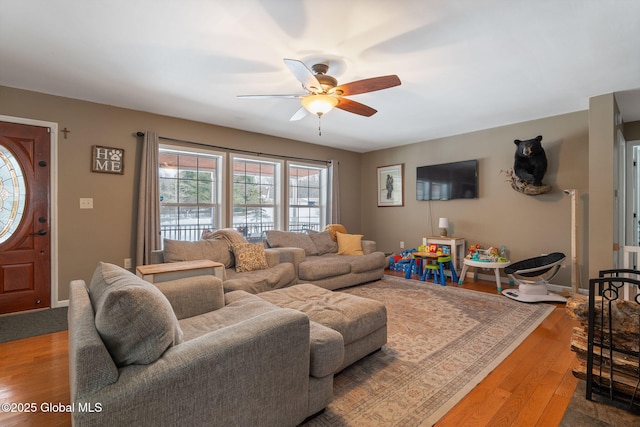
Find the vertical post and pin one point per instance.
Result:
(574, 240)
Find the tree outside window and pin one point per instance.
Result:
(189, 196)
(255, 195)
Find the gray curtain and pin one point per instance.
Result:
(333, 207)
(148, 200)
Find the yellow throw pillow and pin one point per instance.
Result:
(250, 257)
(349, 244)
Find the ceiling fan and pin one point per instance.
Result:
(324, 93)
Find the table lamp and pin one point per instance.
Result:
(443, 223)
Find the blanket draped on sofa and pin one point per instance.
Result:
(229, 235)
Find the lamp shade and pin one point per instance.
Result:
(319, 104)
(443, 223)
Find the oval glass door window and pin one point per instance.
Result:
(12, 194)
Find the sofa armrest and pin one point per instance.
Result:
(273, 257)
(368, 246)
(327, 350)
(192, 296)
(91, 367)
(292, 255)
(264, 359)
(156, 257)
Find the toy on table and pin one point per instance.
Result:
(492, 254)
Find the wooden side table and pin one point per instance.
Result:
(156, 273)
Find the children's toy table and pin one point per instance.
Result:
(436, 267)
(496, 266)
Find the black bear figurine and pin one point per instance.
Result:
(530, 162)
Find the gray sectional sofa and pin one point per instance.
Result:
(292, 257)
(185, 353)
(317, 259)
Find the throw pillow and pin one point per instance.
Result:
(349, 244)
(323, 242)
(250, 257)
(134, 319)
(215, 250)
(290, 239)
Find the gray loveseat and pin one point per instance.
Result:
(185, 353)
(277, 275)
(317, 258)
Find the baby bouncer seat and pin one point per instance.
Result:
(532, 276)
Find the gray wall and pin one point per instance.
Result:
(527, 225)
(579, 148)
(107, 232)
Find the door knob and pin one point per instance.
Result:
(39, 233)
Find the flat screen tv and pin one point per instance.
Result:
(447, 181)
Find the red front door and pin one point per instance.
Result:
(25, 256)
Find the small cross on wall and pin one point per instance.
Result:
(65, 131)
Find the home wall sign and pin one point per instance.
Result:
(107, 160)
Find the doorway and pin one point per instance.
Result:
(27, 246)
(632, 180)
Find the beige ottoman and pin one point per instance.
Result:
(361, 321)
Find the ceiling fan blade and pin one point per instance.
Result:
(355, 107)
(300, 114)
(270, 96)
(304, 74)
(368, 85)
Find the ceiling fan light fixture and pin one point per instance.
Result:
(319, 104)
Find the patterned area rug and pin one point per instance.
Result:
(442, 341)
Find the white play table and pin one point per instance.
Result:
(496, 266)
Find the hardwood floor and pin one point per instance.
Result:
(532, 387)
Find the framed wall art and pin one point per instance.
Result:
(107, 160)
(391, 185)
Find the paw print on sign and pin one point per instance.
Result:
(115, 155)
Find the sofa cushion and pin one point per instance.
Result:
(321, 267)
(323, 242)
(349, 244)
(254, 282)
(289, 239)
(215, 250)
(351, 315)
(369, 262)
(134, 319)
(239, 306)
(250, 257)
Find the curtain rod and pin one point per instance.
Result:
(256, 153)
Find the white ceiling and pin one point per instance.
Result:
(464, 65)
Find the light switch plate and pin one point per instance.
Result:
(86, 203)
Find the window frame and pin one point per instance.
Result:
(278, 198)
(282, 215)
(323, 189)
(219, 217)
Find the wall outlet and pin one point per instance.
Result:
(424, 241)
(401, 245)
(86, 203)
(127, 263)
